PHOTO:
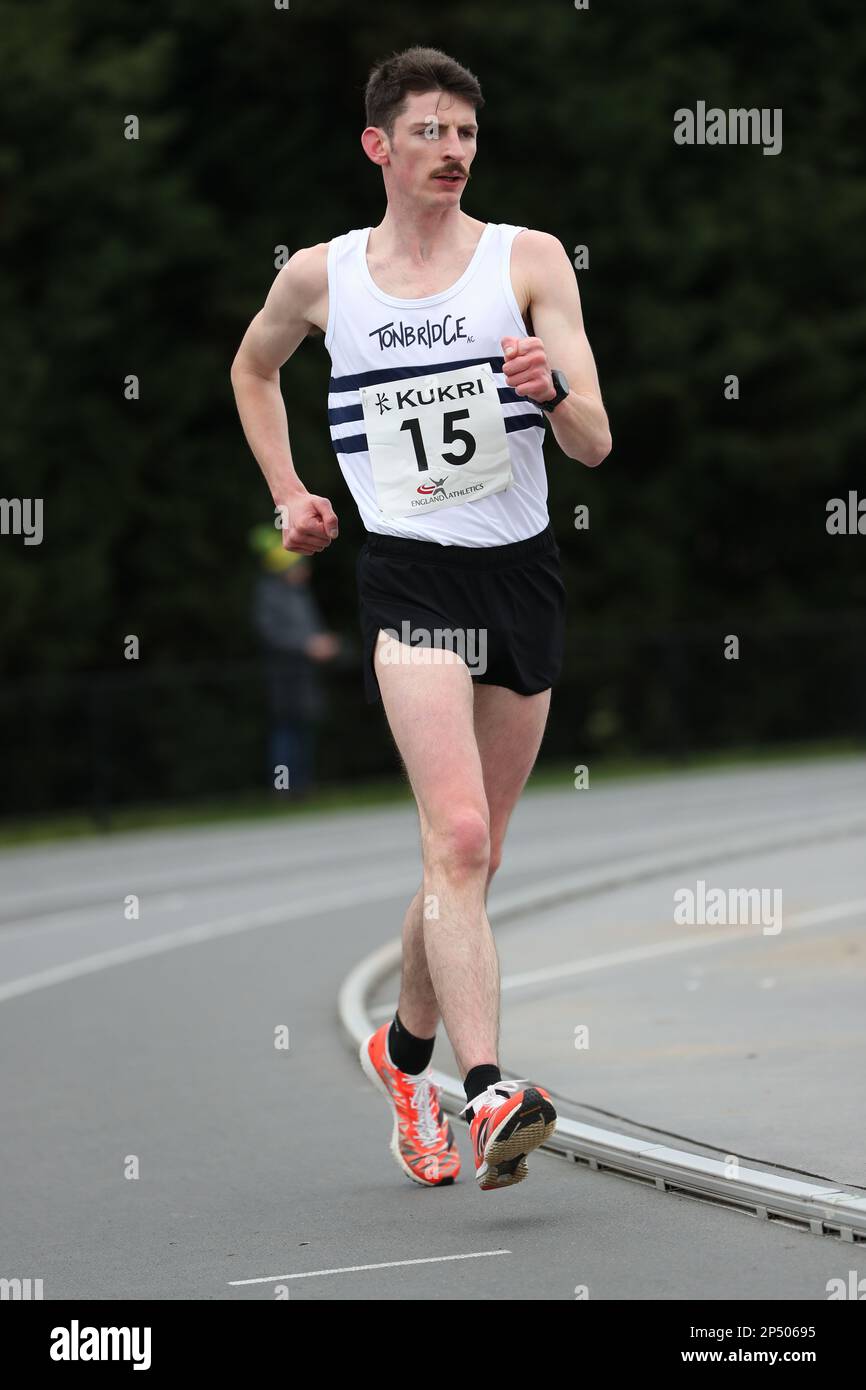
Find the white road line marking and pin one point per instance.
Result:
(310, 855)
(624, 957)
(284, 859)
(240, 922)
(354, 1269)
(203, 931)
(835, 912)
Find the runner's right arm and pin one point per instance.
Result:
(274, 334)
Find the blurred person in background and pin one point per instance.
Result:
(295, 641)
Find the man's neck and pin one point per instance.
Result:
(418, 237)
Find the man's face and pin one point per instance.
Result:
(433, 147)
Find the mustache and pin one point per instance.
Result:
(454, 170)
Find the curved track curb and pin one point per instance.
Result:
(822, 1208)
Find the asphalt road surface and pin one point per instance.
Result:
(156, 1143)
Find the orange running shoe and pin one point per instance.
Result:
(422, 1141)
(506, 1124)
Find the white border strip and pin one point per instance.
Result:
(356, 1269)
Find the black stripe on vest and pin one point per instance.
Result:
(352, 383)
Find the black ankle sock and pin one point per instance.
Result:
(408, 1053)
(479, 1078)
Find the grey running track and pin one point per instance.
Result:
(157, 1144)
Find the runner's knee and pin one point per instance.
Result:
(459, 841)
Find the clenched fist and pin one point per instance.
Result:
(527, 369)
(309, 524)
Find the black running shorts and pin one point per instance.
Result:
(504, 603)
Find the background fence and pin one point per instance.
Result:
(186, 733)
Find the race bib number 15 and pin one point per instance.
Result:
(436, 440)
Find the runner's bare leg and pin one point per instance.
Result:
(465, 791)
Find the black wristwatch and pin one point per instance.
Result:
(561, 387)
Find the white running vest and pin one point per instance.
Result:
(431, 442)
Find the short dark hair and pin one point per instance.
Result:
(415, 70)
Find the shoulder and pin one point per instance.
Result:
(542, 269)
(533, 247)
(536, 257)
(303, 283)
(308, 267)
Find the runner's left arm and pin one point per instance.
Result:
(580, 422)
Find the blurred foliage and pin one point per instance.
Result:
(150, 257)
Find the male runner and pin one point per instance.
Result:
(452, 341)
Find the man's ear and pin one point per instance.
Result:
(374, 143)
